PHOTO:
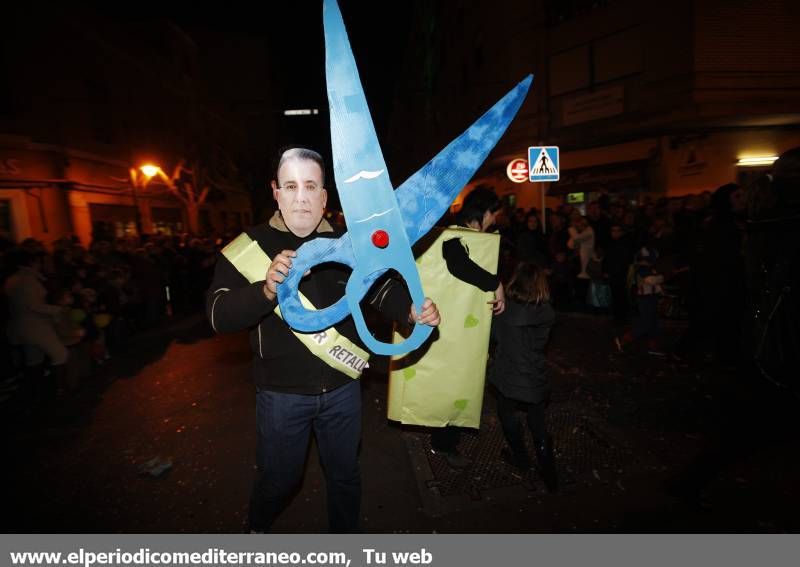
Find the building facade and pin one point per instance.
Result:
(90, 102)
(663, 99)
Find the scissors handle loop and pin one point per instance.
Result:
(359, 284)
(340, 250)
(310, 254)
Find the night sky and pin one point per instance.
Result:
(295, 42)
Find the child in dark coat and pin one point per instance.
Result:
(519, 368)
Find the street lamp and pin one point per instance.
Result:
(140, 178)
(149, 170)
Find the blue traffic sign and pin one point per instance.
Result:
(544, 163)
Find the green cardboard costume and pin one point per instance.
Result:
(442, 384)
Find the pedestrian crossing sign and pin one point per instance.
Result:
(544, 163)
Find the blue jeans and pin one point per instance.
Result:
(284, 423)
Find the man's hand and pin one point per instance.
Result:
(429, 315)
(277, 272)
(499, 302)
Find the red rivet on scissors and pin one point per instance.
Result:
(380, 238)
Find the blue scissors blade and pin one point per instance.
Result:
(369, 201)
(375, 224)
(362, 178)
(425, 196)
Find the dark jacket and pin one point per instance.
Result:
(281, 362)
(531, 247)
(618, 258)
(461, 266)
(519, 366)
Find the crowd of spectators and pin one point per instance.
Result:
(595, 255)
(67, 309)
(690, 248)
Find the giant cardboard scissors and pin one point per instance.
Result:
(382, 223)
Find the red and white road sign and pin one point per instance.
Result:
(517, 170)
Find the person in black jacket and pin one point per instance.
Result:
(519, 369)
(297, 390)
(530, 244)
(617, 261)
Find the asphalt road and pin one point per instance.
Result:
(162, 441)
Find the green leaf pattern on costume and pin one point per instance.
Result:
(471, 321)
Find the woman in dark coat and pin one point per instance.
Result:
(519, 368)
(530, 244)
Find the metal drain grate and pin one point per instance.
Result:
(581, 447)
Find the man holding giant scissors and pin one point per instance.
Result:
(305, 359)
(304, 381)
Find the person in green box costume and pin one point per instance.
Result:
(478, 212)
(432, 388)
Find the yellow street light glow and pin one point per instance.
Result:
(150, 170)
(753, 161)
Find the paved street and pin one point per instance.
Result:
(163, 441)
